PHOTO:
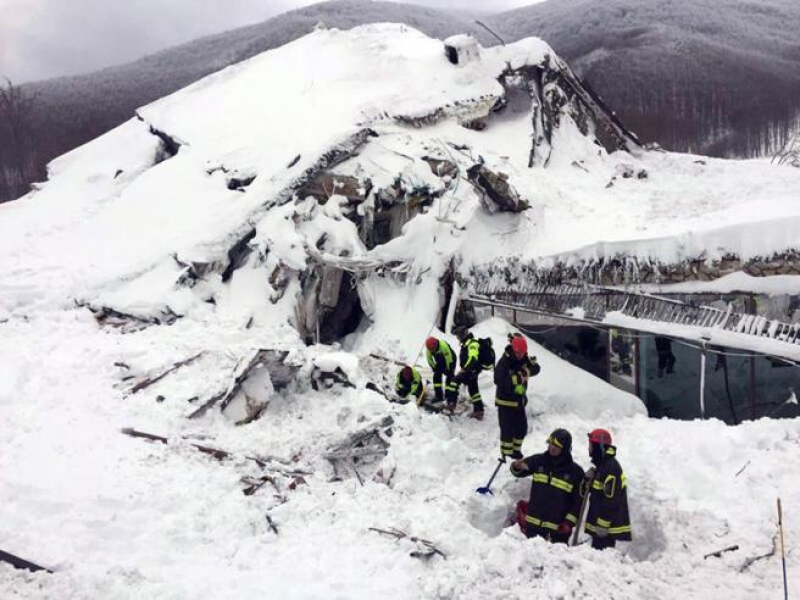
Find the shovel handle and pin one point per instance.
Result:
(487, 488)
(581, 513)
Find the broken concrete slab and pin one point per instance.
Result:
(495, 186)
(362, 449)
(268, 370)
(441, 167)
(326, 184)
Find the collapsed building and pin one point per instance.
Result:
(492, 179)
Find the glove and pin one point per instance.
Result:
(517, 466)
(601, 532)
(565, 528)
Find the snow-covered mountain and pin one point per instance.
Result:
(171, 275)
(718, 77)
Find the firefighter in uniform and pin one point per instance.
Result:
(408, 385)
(511, 376)
(469, 359)
(607, 520)
(442, 361)
(556, 488)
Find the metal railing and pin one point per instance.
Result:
(593, 303)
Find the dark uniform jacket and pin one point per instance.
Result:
(443, 360)
(555, 491)
(608, 499)
(508, 377)
(413, 387)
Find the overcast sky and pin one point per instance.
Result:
(40, 39)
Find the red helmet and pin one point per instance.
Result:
(600, 436)
(407, 374)
(431, 344)
(519, 345)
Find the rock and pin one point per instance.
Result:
(441, 167)
(496, 187)
(625, 171)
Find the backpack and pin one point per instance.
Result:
(486, 355)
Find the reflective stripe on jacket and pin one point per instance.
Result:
(608, 499)
(556, 489)
(404, 388)
(511, 378)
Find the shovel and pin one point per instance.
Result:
(487, 488)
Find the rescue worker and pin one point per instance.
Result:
(556, 489)
(442, 361)
(469, 359)
(607, 520)
(511, 376)
(409, 383)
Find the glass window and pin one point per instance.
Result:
(482, 313)
(584, 347)
(669, 378)
(622, 360)
(777, 388)
(727, 395)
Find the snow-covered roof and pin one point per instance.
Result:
(301, 98)
(109, 212)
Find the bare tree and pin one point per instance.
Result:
(789, 154)
(18, 160)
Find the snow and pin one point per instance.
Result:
(118, 517)
(328, 363)
(240, 120)
(775, 285)
(718, 337)
(586, 395)
(321, 77)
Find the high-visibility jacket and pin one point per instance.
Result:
(556, 488)
(469, 357)
(443, 359)
(405, 388)
(511, 378)
(608, 499)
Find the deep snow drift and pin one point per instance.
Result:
(119, 518)
(146, 225)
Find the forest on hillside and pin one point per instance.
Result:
(717, 77)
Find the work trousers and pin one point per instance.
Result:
(470, 379)
(513, 429)
(444, 387)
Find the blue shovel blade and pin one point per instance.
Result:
(484, 491)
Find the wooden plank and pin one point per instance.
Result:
(21, 563)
